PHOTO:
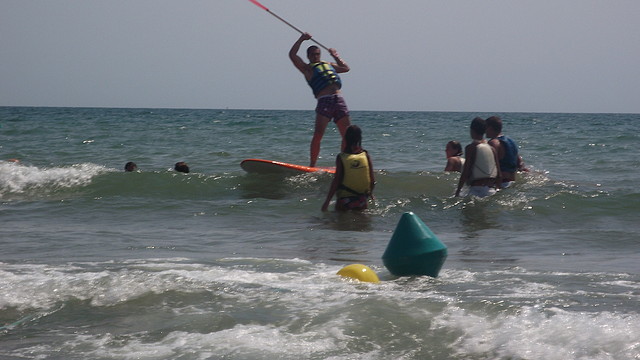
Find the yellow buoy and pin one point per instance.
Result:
(359, 272)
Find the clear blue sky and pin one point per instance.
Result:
(446, 55)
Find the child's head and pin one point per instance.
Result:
(494, 126)
(181, 167)
(478, 125)
(130, 166)
(453, 148)
(353, 137)
(495, 123)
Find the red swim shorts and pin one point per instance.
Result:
(353, 203)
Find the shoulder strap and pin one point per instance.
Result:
(344, 187)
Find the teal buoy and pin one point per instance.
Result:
(414, 249)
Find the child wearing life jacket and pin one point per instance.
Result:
(353, 181)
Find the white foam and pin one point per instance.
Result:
(297, 309)
(239, 342)
(42, 286)
(18, 179)
(551, 334)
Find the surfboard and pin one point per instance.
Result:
(262, 166)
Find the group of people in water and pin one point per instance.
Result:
(180, 166)
(488, 165)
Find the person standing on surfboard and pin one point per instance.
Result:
(323, 79)
(353, 181)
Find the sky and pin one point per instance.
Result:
(405, 55)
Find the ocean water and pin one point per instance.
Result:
(97, 263)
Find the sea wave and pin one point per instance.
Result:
(264, 308)
(534, 194)
(22, 181)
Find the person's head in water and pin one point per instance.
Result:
(182, 167)
(353, 138)
(453, 148)
(130, 166)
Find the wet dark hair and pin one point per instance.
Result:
(455, 145)
(182, 167)
(311, 48)
(495, 123)
(352, 137)
(130, 166)
(479, 125)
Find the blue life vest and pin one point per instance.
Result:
(509, 163)
(323, 75)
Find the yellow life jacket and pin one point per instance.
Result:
(356, 180)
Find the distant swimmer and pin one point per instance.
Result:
(510, 160)
(481, 170)
(455, 161)
(325, 82)
(181, 167)
(353, 181)
(130, 166)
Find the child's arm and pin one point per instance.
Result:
(470, 155)
(372, 178)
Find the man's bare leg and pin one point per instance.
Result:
(343, 124)
(318, 133)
